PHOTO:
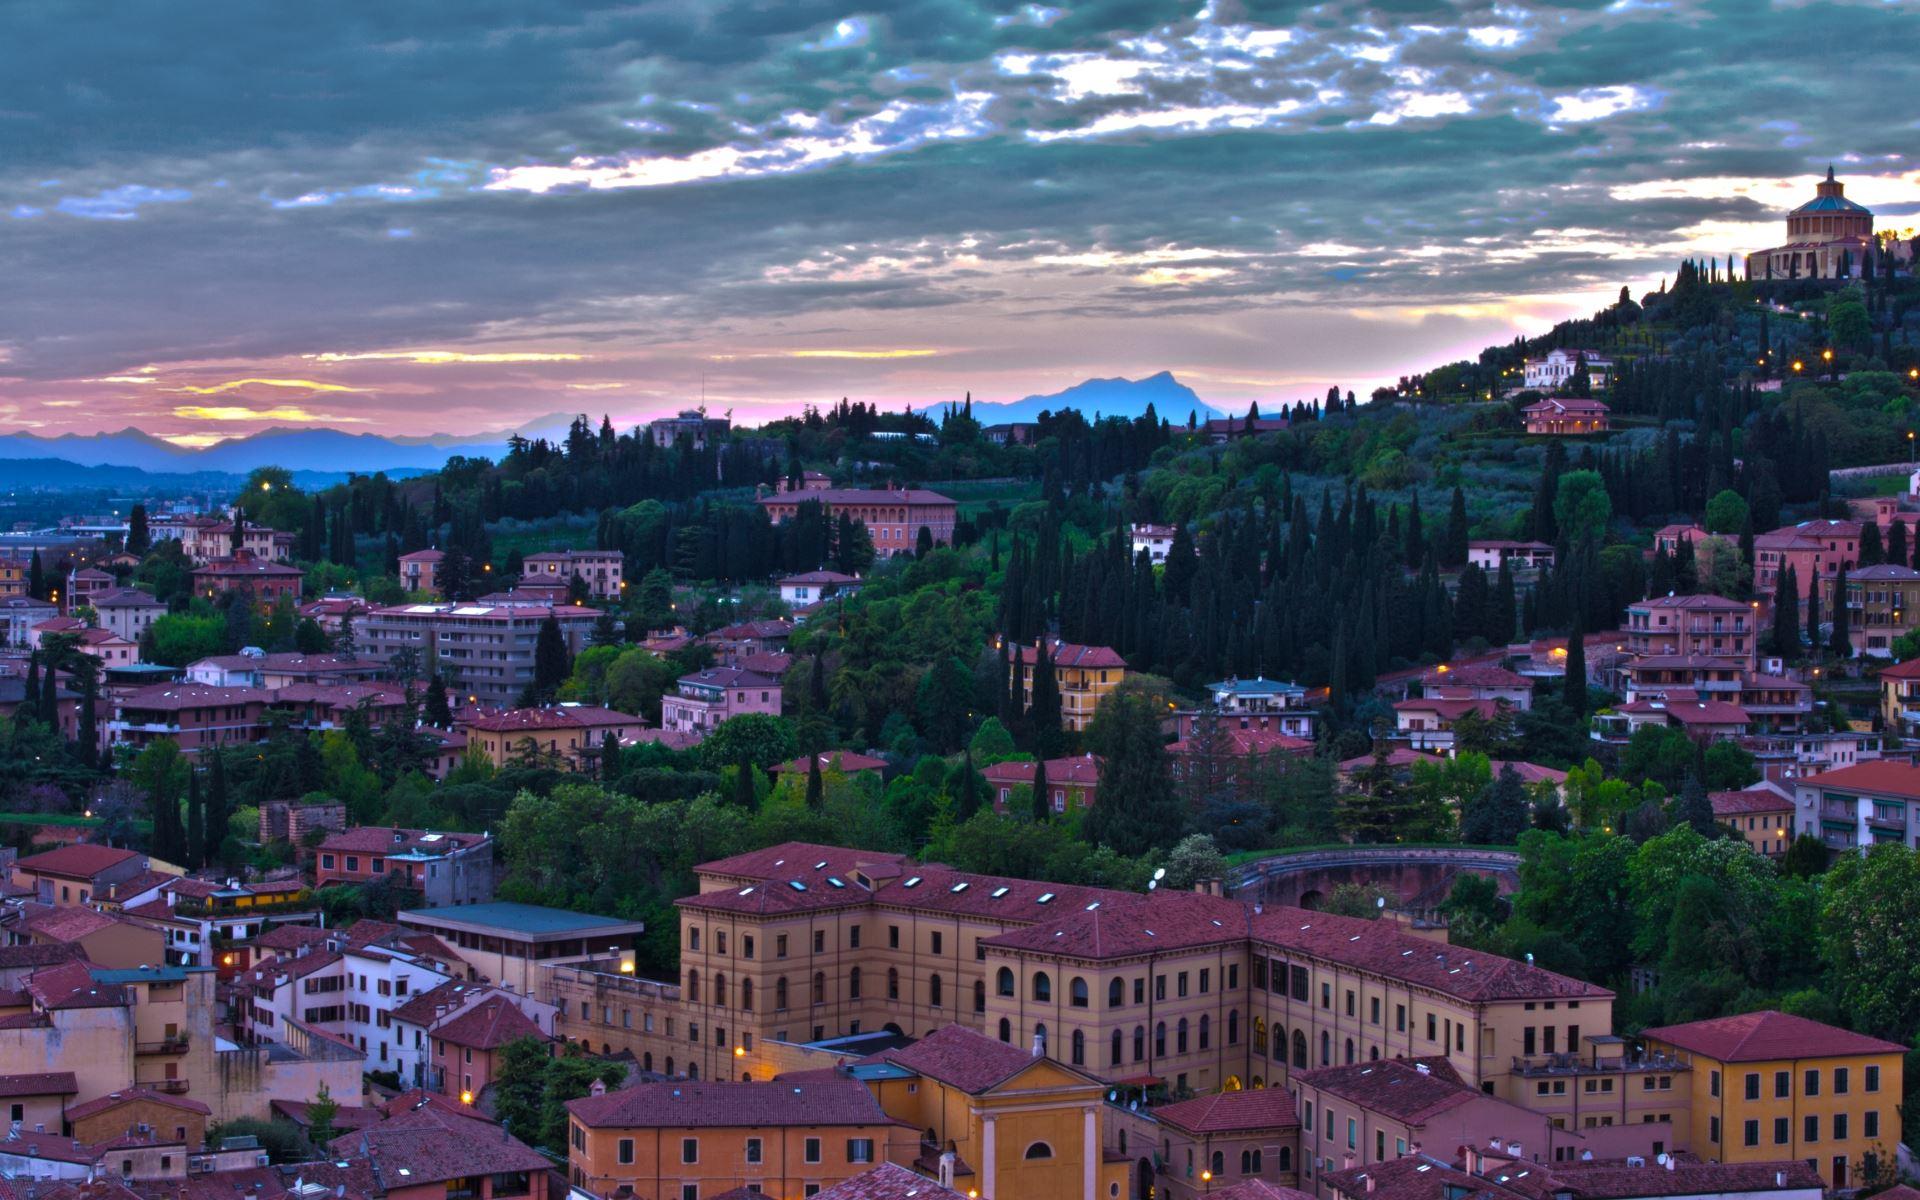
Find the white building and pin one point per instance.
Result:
(1555, 371)
(349, 988)
(1155, 540)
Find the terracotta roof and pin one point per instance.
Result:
(1124, 926)
(1616, 1180)
(1768, 1036)
(1885, 775)
(1909, 669)
(1566, 404)
(67, 923)
(1069, 654)
(962, 1058)
(1258, 1189)
(888, 1181)
(846, 761)
(1751, 801)
(1411, 1091)
(1243, 743)
(726, 1105)
(386, 839)
(421, 1008)
(423, 1146)
(1448, 710)
(831, 496)
(81, 861)
(729, 677)
(807, 578)
(1228, 1112)
(1697, 601)
(71, 985)
(1708, 712)
(564, 716)
(192, 695)
(290, 937)
(787, 858)
(39, 1083)
(145, 1095)
(489, 1024)
(1475, 675)
(1081, 770)
(41, 954)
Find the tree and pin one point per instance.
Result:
(1786, 616)
(1043, 714)
(1499, 814)
(1042, 792)
(1137, 810)
(1453, 550)
(1581, 509)
(438, 711)
(991, 743)
(139, 539)
(1806, 857)
(759, 738)
(320, 1115)
(1870, 904)
(1813, 615)
(1574, 689)
(1842, 641)
(941, 703)
(196, 832)
(1192, 860)
(551, 663)
(161, 773)
(1695, 809)
(219, 813)
(1726, 512)
(816, 789)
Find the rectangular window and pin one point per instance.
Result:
(1750, 1133)
(754, 1152)
(853, 937)
(626, 1151)
(936, 941)
(893, 937)
(1811, 1084)
(1753, 1086)
(1782, 1084)
(1206, 980)
(1400, 1018)
(1873, 1079)
(1180, 983)
(1713, 1086)
(689, 1150)
(1840, 1081)
(1782, 1130)
(1810, 1130)
(859, 1150)
(1870, 1123)
(812, 1152)
(1840, 1127)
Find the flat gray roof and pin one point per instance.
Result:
(523, 920)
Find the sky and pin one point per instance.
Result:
(453, 216)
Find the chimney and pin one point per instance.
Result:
(947, 1161)
(1369, 1182)
(1346, 1161)
(1513, 1150)
(1039, 1044)
(597, 1088)
(1669, 1163)
(1779, 1179)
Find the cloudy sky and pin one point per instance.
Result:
(451, 215)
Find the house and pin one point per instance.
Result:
(1071, 782)
(1761, 814)
(569, 736)
(107, 1117)
(1858, 807)
(894, 517)
(1769, 1087)
(1883, 603)
(443, 867)
(420, 571)
(691, 424)
(706, 698)
(1556, 369)
(844, 761)
(1478, 681)
(1221, 430)
(599, 570)
(264, 580)
(84, 583)
(791, 1139)
(1427, 724)
(126, 612)
(429, 1152)
(732, 643)
(811, 587)
(1900, 697)
(195, 716)
(1817, 551)
(1559, 416)
(38, 1099)
(1153, 541)
(334, 613)
(1083, 675)
(1671, 537)
(1258, 704)
(466, 1046)
(1490, 553)
(76, 874)
(105, 939)
(19, 615)
(1011, 433)
(1228, 1137)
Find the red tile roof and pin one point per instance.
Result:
(424, 1146)
(1380, 947)
(1258, 1189)
(1616, 1180)
(1482, 675)
(1070, 655)
(1243, 743)
(1885, 776)
(962, 1058)
(565, 716)
(1449, 710)
(1229, 1112)
(729, 1105)
(1081, 770)
(488, 1025)
(1751, 801)
(133, 1095)
(788, 858)
(81, 861)
(845, 761)
(1411, 1091)
(39, 1083)
(1124, 925)
(888, 1181)
(385, 839)
(422, 1008)
(1768, 1036)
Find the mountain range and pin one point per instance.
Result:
(326, 451)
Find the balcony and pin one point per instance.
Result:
(176, 1044)
(171, 1087)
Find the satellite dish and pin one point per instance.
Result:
(1159, 874)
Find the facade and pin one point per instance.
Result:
(811, 587)
(1827, 237)
(1697, 625)
(1816, 550)
(693, 424)
(1763, 815)
(600, 570)
(1072, 782)
(76, 874)
(345, 988)
(1559, 416)
(1227, 1139)
(706, 698)
(1858, 807)
(262, 579)
(1153, 541)
(1489, 554)
(1478, 681)
(1555, 370)
(1883, 603)
(1900, 698)
(702, 1139)
(1258, 705)
(467, 1045)
(1426, 723)
(443, 868)
(894, 517)
(420, 571)
(1772, 1087)
(253, 667)
(485, 651)
(1083, 674)
(19, 614)
(126, 612)
(569, 736)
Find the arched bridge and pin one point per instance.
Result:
(1420, 877)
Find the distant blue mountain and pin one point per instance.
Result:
(1129, 398)
(323, 450)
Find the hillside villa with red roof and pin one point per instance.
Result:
(1559, 416)
(568, 736)
(1768, 1086)
(1761, 814)
(1858, 807)
(1072, 782)
(444, 867)
(894, 517)
(1084, 674)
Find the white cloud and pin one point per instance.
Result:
(1594, 104)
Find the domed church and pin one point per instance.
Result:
(1822, 234)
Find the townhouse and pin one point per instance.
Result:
(443, 868)
(706, 698)
(599, 570)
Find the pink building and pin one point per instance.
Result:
(894, 517)
(1478, 681)
(1816, 550)
(600, 570)
(706, 698)
(420, 571)
(1561, 415)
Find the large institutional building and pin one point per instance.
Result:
(1827, 237)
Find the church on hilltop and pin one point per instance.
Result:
(1828, 237)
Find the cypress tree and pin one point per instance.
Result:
(968, 801)
(30, 698)
(610, 758)
(439, 712)
(36, 578)
(196, 822)
(816, 788)
(49, 698)
(1043, 715)
(1842, 644)
(742, 782)
(1042, 810)
(1813, 615)
(550, 660)
(139, 539)
(1786, 615)
(1575, 687)
(1871, 553)
(218, 814)
(1897, 543)
(1454, 551)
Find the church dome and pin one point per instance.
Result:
(1831, 199)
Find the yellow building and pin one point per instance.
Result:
(1769, 1086)
(1085, 674)
(1016, 1125)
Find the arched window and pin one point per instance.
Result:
(979, 995)
(1180, 1037)
(1079, 1052)
(1299, 1049)
(934, 991)
(1250, 1162)
(1349, 1051)
(1139, 1043)
(1114, 1053)
(1003, 982)
(1006, 1030)
(669, 1064)
(1042, 987)
(853, 984)
(1326, 1048)
(1039, 1150)
(693, 987)
(646, 1061)
(1040, 1035)
(1116, 994)
(693, 1070)
(893, 983)
(1219, 1163)
(780, 994)
(719, 989)
(1077, 992)
(746, 994)
(1373, 1053)
(1286, 1159)
(819, 987)
(1258, 1082)
(1233, 1027)
(1160, 1039)
(1206, 1031)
